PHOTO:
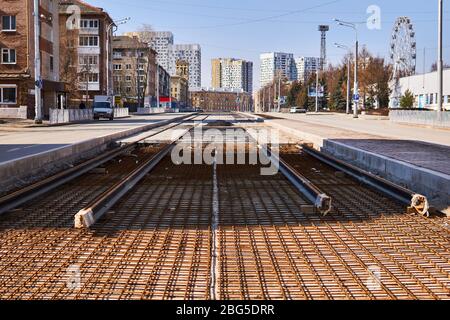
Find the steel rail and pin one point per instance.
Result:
(321, 201)
(17, 198)
(416, 202)
(89, 215)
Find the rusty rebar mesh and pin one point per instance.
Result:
(156, 243)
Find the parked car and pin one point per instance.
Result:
(297, 110)
(103, 107)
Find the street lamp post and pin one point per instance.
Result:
(317, 91)
(355, 89)
(440, 62)
(37, 66)
(115, 24)
(341, 46)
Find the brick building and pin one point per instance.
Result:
(221, 99)
(17, 79)
(134, 70)
(86, 51)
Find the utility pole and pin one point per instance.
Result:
(264, 99)
(37, 66)
(355, 88)
(157, 85)
(440, 63)
(138, 78)
(279, 92)
(317, 91)
(349, 63)
(270, 100)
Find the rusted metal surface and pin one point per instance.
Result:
(224, 232)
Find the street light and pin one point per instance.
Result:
(344, 47)
(440, 62)
(355, 89)
(115, 24)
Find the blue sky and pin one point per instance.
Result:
(246, 28)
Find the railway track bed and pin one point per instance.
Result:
(222, 232)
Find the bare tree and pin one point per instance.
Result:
(145, 33)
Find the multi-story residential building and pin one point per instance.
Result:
(216, 73)
(161, 42)
(192, 53)
(164, 87)
(277, 62)
(86, 50)
(213, 99)
(179, 85)
(17, 77)
(169, 53)
(232, 73)
(134, 69)
(306, 66)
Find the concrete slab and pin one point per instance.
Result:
(417, 158)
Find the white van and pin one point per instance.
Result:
(103, 107)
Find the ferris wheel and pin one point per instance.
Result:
(403, 52)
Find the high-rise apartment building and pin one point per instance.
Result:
(169, 53)
(216, 73)
(161, 42)
(274, 62)
(306, 66)
(232, 73)
(192, 54)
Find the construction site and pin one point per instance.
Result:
(132, 223)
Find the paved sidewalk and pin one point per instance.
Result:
(371, 126)
(21, 142)
(424, 147)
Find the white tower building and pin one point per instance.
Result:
(274, 61)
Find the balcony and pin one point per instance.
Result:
(89, 50)
(89, 31)
(91, 86)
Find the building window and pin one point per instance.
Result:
(52, 65)
(8, 94)
(117, 67)
(91, 78)
(85, 60)
(8, 23)
(86, 41)
(128, 78)
(8, 56)
(89, 24)
(128, 67)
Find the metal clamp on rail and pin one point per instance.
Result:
(22, 196)
(320, 199)
(86, 217)
(417, 204)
